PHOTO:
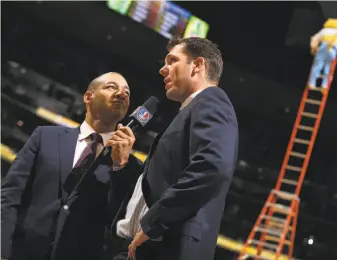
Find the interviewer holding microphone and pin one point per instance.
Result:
(64, 187)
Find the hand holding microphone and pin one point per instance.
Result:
(120, 144)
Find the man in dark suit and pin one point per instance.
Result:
(177, 205)
(63, 187)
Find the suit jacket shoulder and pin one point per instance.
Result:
(57, 129)
(212, 97)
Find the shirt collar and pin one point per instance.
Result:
(86, 130)
(189, 99)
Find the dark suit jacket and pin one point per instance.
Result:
(187, 177)
(34, 220)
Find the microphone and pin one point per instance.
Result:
(140, 117)
(143, 114)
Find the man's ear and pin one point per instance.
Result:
(198, 63)
(87, 97)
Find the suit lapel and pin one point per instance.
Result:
(68, 140)
(155, 143)
(153, 149)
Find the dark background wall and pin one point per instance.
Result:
(266, 65)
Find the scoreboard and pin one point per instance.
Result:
(164, 17)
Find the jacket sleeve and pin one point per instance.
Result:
(212, 153)
(12, 189)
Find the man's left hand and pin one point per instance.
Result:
(121, 143)
(139, 239)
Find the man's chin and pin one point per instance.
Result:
(171, 95)
(168, 95)
(116, 116)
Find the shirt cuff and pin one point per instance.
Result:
(116, 167)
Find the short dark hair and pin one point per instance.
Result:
(198, 47)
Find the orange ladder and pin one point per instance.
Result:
(273, 233)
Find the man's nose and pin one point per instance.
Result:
(163, 71)
(121, 93)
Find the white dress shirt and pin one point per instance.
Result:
(189, 99)
(83, 141)
(137, 208)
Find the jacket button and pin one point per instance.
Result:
(65, 207)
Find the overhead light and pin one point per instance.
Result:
(310, 240)
(243, 163)
(20, 123)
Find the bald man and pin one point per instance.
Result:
(63, 187)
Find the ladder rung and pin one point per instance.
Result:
(291, 182)
(299, 155)
(306, 128)
(285, 195)
(307, 114)
(278, 225)
(276, 239)
(293, 168)
(274, 224)
(316, 89)
(276, 219)
(301, 141)
(312, 101)
(256, 242)
(269, 231)
(279, 208)
(275, 229)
